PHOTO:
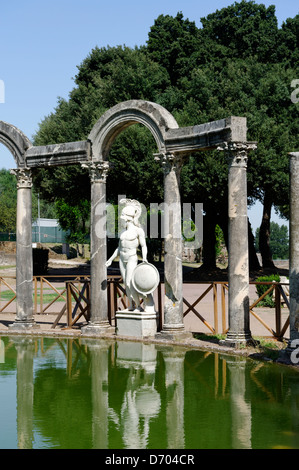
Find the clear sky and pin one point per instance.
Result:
(43, 42)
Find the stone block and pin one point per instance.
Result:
(136, 324)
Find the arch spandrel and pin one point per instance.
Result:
(156, 118)
(15, 141)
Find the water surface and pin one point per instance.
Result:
(84, 394)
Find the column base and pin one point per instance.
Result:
(235, 340)
(20, 325)
(98, 329)
(174, 333)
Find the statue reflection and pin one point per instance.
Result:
(141, 402)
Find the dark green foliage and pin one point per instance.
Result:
(238, 63)
(8, 201)
(74, 219)
(244, 29)
(262, 288)
(279, 241)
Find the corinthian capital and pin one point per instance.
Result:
(98, 171)
(24, 177)
(237, 152)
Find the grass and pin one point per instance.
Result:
(47, 297)
(268, 348)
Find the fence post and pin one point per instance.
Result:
(215, 307)
(223, 308)
(277, 311)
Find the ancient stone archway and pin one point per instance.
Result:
(159, 121)
(15, 141)
(156, 118)
(173, 143)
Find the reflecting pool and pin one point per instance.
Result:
(87, 393)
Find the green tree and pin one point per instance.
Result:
(105, 77)
(279, 241)
(244, 29)
(74, 220)
(174, 43)
(8, 201)
(238, 63)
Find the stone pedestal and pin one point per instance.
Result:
(136, 324)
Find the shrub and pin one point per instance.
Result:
(262, 288)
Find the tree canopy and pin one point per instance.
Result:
(239, 62)
(279, 241)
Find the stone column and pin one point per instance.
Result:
(238, 264)
(24, 269)
(173, 322)
(294, 251)
(98, 323)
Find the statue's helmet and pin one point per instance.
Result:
(131, 211)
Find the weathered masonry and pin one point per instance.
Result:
(173, 145)
(294, 251)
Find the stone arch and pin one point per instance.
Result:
(15, 141)
(156, 118)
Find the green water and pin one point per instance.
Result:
(83, 394)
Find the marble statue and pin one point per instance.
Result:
(131, 238)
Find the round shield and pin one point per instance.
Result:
(145, 278)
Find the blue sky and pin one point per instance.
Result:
(43, 42)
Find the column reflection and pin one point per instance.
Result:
(174, 381)
(240, 407)
(25, 387)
